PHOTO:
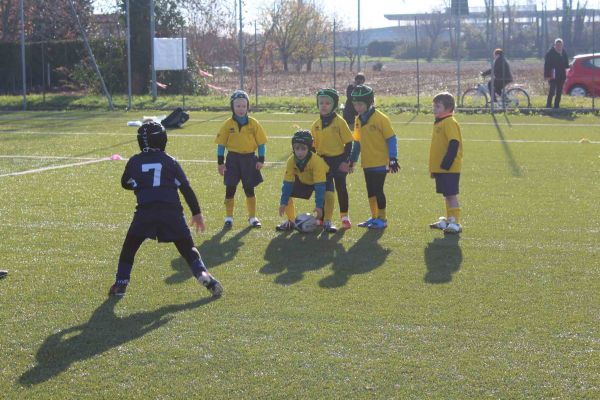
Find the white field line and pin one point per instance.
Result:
(62, 116)
(88, 161)
(32, 171)
(200, 135)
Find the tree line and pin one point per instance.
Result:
(290, 35)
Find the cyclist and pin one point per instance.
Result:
(500, 72)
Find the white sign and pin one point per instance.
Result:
(169, 54)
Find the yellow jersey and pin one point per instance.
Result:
(373, 139)
(330, 141)
(443, 132)
(315, 170)
(245, 140)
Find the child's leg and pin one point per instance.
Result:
(131, 245)
(250, 201)
(342, 193)
(452, 207)
(329, 205)
(290, 210)
(371, 194)
(229, 200)
(377, 199)
(192, 257)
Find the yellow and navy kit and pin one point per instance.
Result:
(373, 139)
(330, 141)
(443, 132)
(315, 170)
(242, 140)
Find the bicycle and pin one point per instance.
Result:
(479, 97)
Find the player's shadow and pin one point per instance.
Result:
(443, 257)
(512, 162)
(102, 332)
(289, 256)
(363, 257)
(214, 252)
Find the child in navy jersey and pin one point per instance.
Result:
(155, 177)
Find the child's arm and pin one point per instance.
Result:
(450, 154)
(262, 150)
(127, 182)
(392, 143)
(192, 202)
(286, 191)
(319, 199)
(221, 159)
(345, 165)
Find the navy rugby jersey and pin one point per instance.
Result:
(154, 177)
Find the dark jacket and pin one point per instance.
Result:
(502, 72)
(349, 111)
(556, 64)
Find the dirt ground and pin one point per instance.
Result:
(398, 79)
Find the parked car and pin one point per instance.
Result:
(583, 75)
(223, 68)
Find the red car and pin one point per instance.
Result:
(583, 75)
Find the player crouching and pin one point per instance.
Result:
(305, 172)
(155, 177)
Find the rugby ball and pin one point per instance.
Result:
(306, 223)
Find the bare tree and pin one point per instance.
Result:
(284, 24)
(433, 27)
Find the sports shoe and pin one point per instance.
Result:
(210, 283)
(453, 226)
(285, 226)
(254, 222)
(117, 289)
(3, 274)
(346, 224)
(329, 227)
(441, 223)
(365, 224)
(228, 223)
(377, 223)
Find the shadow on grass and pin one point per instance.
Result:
(291, 255)
(512, 162)
(363, 257)
(443, 257)
(102, 332)
(214, 252)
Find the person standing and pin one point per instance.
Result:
(349, 111)
(556, 63)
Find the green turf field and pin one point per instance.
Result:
(510, 309)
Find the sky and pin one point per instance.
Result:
(372, 11)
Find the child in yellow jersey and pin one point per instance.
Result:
(333, 142)
(241, 135)
(305, 173)
(375, 142)
(445, 160)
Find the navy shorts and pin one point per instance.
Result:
(302, 190)
(242, 167)
(447, 184)
(334, 172)
(159, 223)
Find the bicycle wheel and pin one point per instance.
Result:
(473, 98)
(517, 98)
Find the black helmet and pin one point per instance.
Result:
(332, 94)
(363, 94)
(152, 135)
(239, 94)
(304, 137)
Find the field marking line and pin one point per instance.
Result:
(47, 157)
(32, 171)
(201, 135)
